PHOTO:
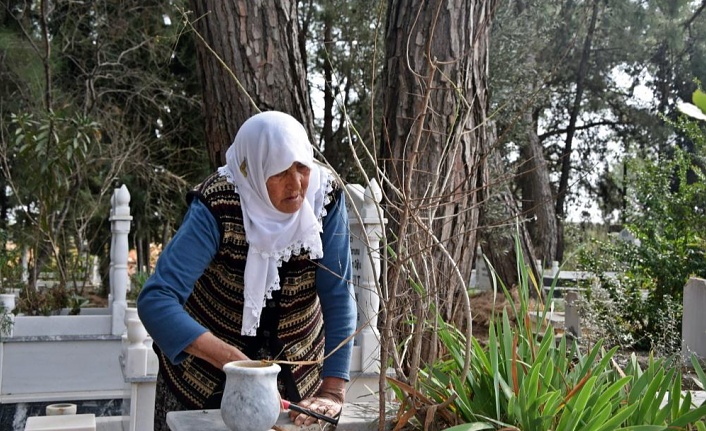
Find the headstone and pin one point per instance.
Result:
(482, 280)
(627, 236)
(572, 321)
(555, 268)
(367, 229)
(693, 322)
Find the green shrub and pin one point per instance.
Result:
(668, 217)
(43, 302)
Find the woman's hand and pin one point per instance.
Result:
(214, 350)
(327, 401)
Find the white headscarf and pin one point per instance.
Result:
(267, 144)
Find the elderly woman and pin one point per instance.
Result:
(259, 269)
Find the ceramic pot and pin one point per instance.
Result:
(250, 401)
(61, 409)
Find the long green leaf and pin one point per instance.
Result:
(675, 397)
(643, 428)
(608, 393)
(578, 406)
(639, 385)
(692, 416)
(699, 371)
(463, 401)
(649, 399)
(590, 359)
(493, 353)
(618, 418)
(597, 418)
(607, 356)
(506, 337)
(476, 426)
(685, 406)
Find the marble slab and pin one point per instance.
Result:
(210, 420)
(82, 422)
(355, 417)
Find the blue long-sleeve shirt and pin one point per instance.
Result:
(186, 256)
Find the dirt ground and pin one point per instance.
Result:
(484, 306)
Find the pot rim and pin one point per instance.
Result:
(251, 366)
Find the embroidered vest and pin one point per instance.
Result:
(291, 325)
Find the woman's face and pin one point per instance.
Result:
(287, 189)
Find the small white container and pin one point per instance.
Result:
(61, 409)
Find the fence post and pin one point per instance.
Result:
(367, 229)
(120, 219)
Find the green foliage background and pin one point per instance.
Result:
(667, 217)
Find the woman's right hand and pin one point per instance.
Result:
(214, 350)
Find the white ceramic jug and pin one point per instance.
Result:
(250, 401)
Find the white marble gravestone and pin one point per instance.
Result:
(693, 322)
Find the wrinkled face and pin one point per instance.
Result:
(287, 189)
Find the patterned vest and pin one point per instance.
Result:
(291, 325)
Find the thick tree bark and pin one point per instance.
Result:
(259, 43)
(435, 138)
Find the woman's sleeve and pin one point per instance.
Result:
(160, 304)
(333, 282)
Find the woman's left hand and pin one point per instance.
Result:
(327, 401)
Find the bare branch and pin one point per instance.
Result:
(695, 15)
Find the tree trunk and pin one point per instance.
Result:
(533, 179)
(537, 198)
(435, 138)
(259, 43)
(503, 220)
(571, 129)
